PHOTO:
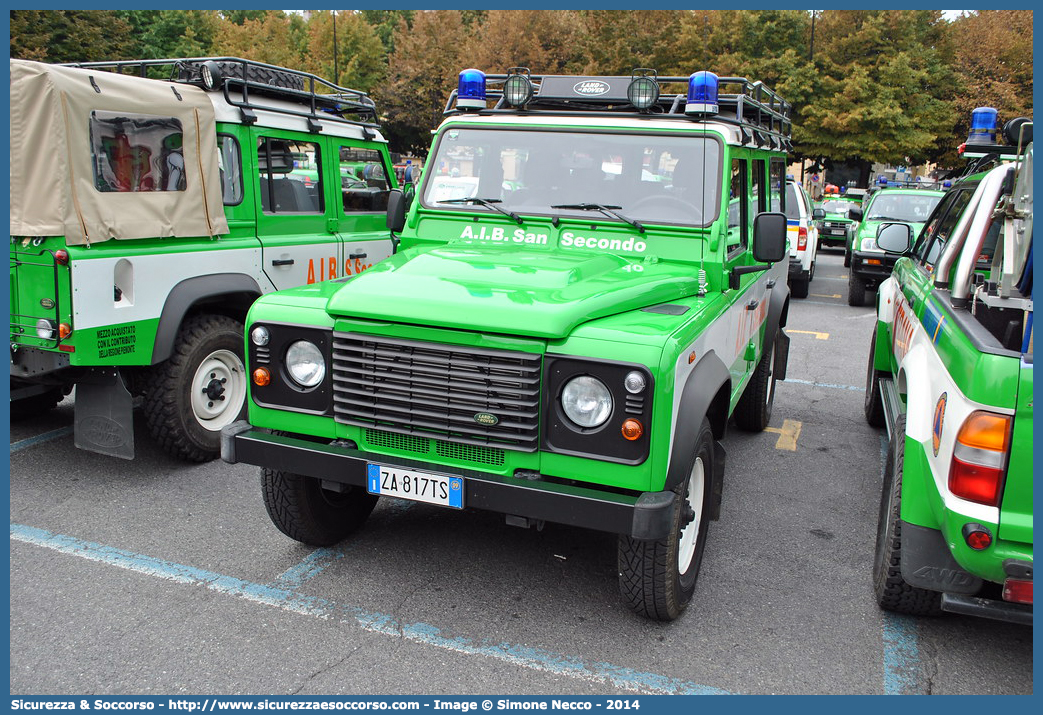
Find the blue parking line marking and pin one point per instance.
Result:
(853, 388)
(39, 439)
(312, 565)
(421, 633)
(901, 655)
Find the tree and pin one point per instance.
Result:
(422, 72)
(69, 35)
(360, 62)
(993, 64)
(545, 41)
(615, 42)
(384, 24)
(173, 33)
(267, 38)
(884, 89)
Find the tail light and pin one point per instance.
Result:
(1017, 591)
(980, 457)
(802, 238)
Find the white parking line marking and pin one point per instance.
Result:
(522, 656)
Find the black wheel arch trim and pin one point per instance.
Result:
(703, 385)
(190, 292)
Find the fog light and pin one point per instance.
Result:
(632, 429)
(262, 376)
(977, 536)
(44, 329)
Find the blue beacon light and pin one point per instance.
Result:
(702, 93)
(983, 126)
(470, 93)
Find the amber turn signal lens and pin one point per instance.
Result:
(632, 429)
(64, 330)
(985, 430)
(262, 376)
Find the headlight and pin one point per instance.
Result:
(305, 363)
(869, 244)
(44, 329)
(586, 401)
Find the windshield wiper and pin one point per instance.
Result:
(605, 209)
(488, 203)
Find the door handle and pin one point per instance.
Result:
(282, 262)
(752, 305)
(356, 255)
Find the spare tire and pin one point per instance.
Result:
(259, 75)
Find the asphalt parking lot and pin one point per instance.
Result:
(158, 577)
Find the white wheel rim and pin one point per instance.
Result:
(690, 533)
(218, 389)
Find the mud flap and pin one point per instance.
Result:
(928, 563)
(718, 482)
(781, 355)
(104, 420)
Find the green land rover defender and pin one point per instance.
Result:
(151, 203)
(950, 374)
(588, 286)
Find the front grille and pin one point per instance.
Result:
(422, 446)
(431, 390)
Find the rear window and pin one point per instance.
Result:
(793, 203)
(136, 152)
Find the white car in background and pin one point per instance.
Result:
(803, 238)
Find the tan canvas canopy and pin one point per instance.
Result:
(97, 155)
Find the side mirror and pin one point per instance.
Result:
(769, 237)
(895, 238)
(396, 218)
(818, 214)
(854, 213)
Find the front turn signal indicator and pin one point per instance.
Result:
(64, 330)
(632, 429)
(262, 376)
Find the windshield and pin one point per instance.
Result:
(644, 178)
(837, 206)
(912, 208)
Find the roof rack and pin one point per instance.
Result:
(762, 115)
(324, 100)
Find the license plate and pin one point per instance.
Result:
(838, 233)
(415, 485)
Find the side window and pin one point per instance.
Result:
(793, 202)
(363, 180)
(776, 182)
(939, 228)
(230, 163)
(738, 207)
(291, 176)
(136, 152)
(759, 198)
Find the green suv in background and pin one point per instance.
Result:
(148, 214)
(589, 286)
(836, 228)
(868, 265)
(950, 374)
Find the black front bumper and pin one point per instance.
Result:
(872, 272)
(646, 516)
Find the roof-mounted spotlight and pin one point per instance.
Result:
(702, 93)
(470, 93)
(643, 90)
(210, 75)
(983, 126)
(517, 88)
(1018, 131)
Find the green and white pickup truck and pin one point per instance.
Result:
(589, 286)
(950, 374)
(148, 214)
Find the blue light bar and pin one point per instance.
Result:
(702, 93)
(882, 181)
(470, 93)
(983, 126)
(946, 184)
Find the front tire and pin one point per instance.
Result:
(890, 589)
(753, 411)
(199, 390)
(304, 511)
(856, 291)
(657, 578)
(873, 405)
